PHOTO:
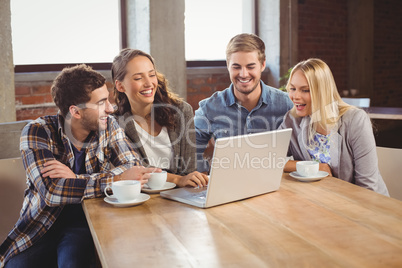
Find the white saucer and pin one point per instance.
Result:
(113, 201)
(319, 176)
(167, 186)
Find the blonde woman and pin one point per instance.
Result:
(327, 130)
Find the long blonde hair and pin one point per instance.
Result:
(327, 106)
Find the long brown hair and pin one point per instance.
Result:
(163, 114)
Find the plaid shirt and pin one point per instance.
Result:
(108, 153)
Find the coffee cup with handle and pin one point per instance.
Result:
(125, 190)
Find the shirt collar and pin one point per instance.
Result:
(62, 133)
(230, 97)
(264, 94)
(60, 121)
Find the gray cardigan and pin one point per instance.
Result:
(182, 138)
(352, 148)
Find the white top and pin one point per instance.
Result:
(158, 149)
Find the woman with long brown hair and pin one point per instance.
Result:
(160, 124)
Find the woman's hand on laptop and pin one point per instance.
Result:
(194, 179)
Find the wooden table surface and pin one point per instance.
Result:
(329, 223)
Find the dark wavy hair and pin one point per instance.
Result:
(74, 85)
(163, 114)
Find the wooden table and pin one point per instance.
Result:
(329, 223)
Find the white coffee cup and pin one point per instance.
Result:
(125, 190)
(157, 180)
(307, 168)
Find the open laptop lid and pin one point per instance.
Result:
(242, 166)
(247, 165)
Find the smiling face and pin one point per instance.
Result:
(245, 73)
(95, 113)
(140, 82)
(299, 93)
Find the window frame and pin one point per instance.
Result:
(222, 63)
(28, 68)
(57, 67)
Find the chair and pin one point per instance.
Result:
(12, 186)
(389, 163)
(358, 102)
(10, 133)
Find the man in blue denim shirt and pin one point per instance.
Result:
(247, 106)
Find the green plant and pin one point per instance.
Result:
(285, 78)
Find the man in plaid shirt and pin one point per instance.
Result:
(68, 157)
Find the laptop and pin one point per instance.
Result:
(242, 166)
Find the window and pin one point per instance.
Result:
(210, 24)
(74, 31)
(49, 33)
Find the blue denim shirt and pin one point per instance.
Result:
(221, 116)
